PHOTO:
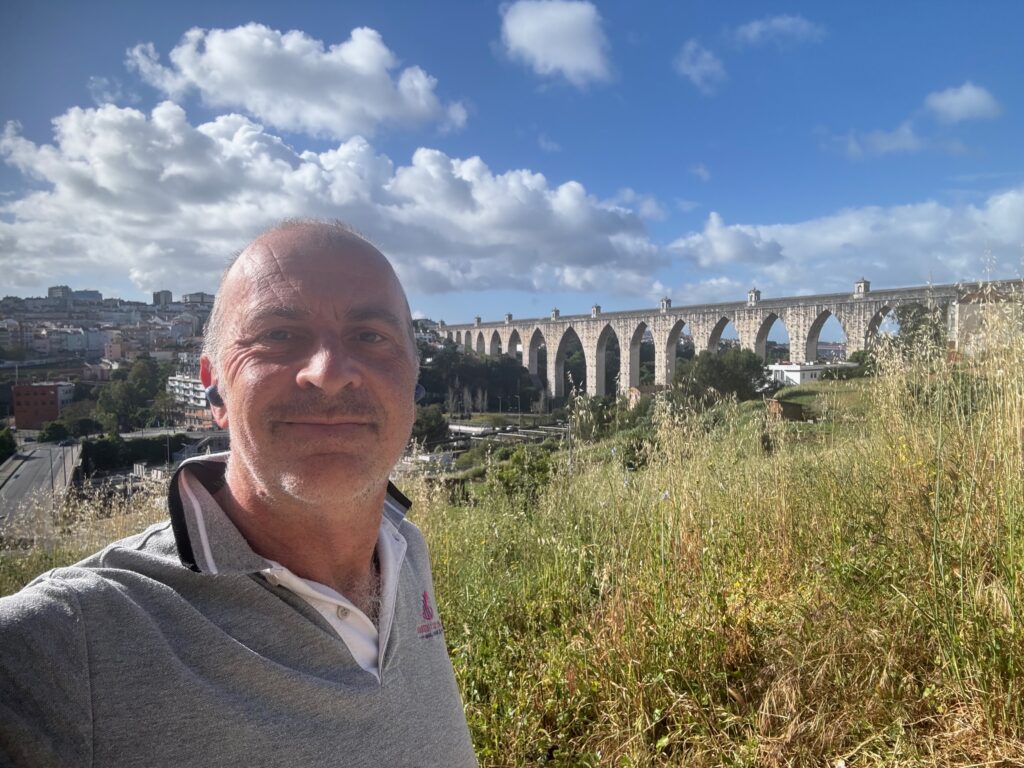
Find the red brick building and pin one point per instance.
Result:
(36, 404)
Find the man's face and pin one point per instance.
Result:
(316, 368)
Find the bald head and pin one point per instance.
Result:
(328, 248)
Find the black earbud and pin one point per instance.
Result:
(420, 393)
(213, 396)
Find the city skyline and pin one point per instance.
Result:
(517, 156)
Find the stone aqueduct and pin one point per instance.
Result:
(860, 313)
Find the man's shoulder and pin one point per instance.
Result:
(61, 590)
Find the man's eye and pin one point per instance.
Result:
(278, 334)
(370, 337)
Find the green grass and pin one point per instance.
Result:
(739, 591)
(851, 595)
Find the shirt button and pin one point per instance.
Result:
(342, 612)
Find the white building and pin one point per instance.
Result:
(788, 374)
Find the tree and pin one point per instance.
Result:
(53, 431)
(736, 371)
(118, 404)
(144, 376)
(84, 427)
(8, 445)
(431, 426)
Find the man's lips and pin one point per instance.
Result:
(327, 428)
(327, 422)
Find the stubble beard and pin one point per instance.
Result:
(294, 474)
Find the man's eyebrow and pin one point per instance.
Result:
(364, 314)
(282, 312)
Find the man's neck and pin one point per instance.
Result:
(334, 546)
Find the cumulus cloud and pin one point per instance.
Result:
(700, 66)
(780, 30)
(720, 244)
(902, 139)
(709, 290)
(295, 83)
(701, 172)
(647, 206)
(896, 245)
(557, 37)
(121, 191)
(548, 144)
(967, 102)
(109, 90)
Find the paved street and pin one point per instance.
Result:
(27, 481)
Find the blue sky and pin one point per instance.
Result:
(521, 156)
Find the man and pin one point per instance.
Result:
(285, 615)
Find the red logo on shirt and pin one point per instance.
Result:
(430, 627)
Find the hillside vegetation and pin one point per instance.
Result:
(846, 592)
(724, 589)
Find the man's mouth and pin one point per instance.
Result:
(326, 428)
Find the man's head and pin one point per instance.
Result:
(310, 347)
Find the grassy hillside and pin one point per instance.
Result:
(728, 590)
(846, 592)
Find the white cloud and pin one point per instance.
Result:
(893, 246)
(547, 144)
(709, 290)
(902, 139)
(151, 196)
(109, 90)
(687, 205)
(700, 66)
(293, 82)
(647, 206)
(720, 244)
(967, 102)
(780, 30)
(701, 172)
(557, 37)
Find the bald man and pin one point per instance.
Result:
(285, 614)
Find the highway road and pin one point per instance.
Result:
(28, 482)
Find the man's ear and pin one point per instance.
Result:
(218, 409)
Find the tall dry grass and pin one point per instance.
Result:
(738, 591)
(843, 593)
(45, 532)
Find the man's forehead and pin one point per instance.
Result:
(304, 269)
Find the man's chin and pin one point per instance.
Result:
(330, 479)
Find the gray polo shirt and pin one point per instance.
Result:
(142, 656)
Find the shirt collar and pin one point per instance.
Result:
(207, 540)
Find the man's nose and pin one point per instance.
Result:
(330, 368)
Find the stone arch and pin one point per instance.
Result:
(537, 341)
(630, 377)
(458, 338)
(494, 349)
(514, 342)
(715, 336)
(671, 344)
(481, 345)
(557, 365)
(598, 376)
(467, 339)
(761, 337)
(875, 323)
(814, 333)
(811, 342)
